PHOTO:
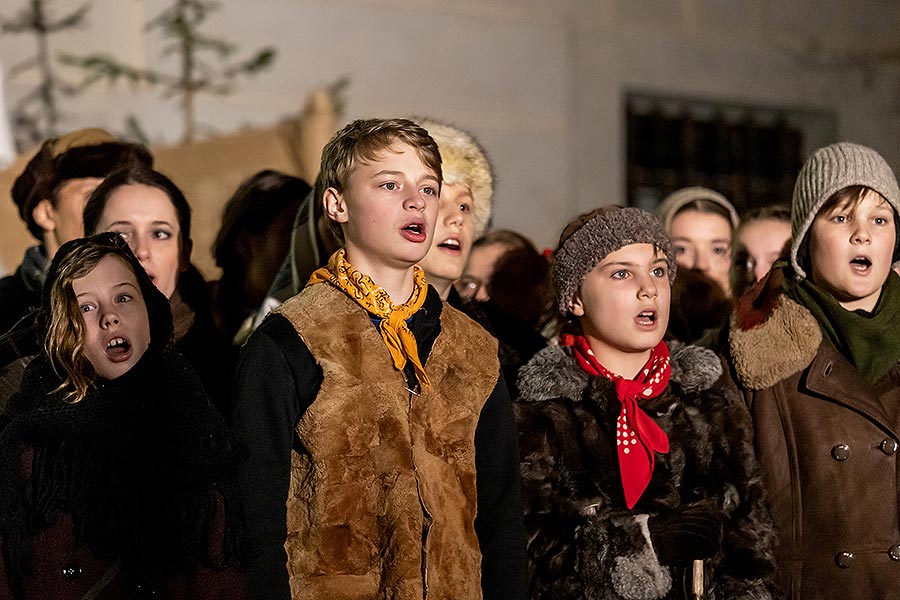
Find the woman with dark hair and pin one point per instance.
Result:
(149, 211)
(116, 473)
(253, 240)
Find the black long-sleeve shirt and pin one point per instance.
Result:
(278, 379)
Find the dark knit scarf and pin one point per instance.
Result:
(868, 340)
(142, 464)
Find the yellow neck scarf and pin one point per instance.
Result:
(397, 336)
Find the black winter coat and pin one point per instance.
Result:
(131, 488)
(582, 540)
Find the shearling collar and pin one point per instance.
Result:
(771, 336)
(553, 372)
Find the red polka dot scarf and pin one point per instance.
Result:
(638, 437)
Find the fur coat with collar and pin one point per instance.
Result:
(827, 443)
(583, 542)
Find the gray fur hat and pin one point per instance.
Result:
(590, 238)
(674, 202)
(828, 171)
(464, 160)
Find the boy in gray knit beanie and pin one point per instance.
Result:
(825, 177)
(815, 351)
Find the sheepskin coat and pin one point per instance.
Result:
(582, 540)
(827, 443)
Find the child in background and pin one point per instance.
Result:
(253, 239)
(486, 253)
(50, 194)
(383, 458)
(635, 461)
(763, 237)
(118, 476)
(701, 224)
(814, 346)
(465, 206)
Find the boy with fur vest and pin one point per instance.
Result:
(814, 346)
(637, 458)
(383, 458)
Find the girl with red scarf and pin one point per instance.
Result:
(637, 456)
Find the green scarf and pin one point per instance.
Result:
(868, 340)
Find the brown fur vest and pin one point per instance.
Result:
(382, 498)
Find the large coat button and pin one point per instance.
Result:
(71, 572)
(840, 452)
(843, 559)
(889, 446)
(894, 552)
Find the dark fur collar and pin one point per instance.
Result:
(553, 373)
(771, 336)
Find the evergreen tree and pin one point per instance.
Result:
(36, 116)
(180, 27)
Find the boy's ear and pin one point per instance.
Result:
(44, 215)
(576, 305)
(335, 205)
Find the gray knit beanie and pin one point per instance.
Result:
(591, 237)
(828, 171)
(675, 201)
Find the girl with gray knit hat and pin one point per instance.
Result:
(814, 348)
(637, 458)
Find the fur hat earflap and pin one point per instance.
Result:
(464, 160)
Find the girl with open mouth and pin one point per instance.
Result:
(116, 473)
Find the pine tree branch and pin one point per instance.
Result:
(22, 66)
(73, 19)
(261, 60)
(102, 67)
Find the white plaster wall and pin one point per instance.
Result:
(541, 82)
